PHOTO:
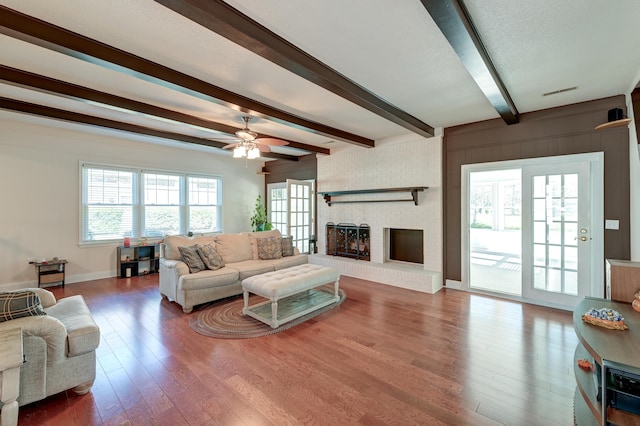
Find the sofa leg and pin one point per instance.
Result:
(83, 388)
(187, 310)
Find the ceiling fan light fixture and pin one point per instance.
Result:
(253, 153)
(239, 151)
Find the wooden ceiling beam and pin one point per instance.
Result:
(35, 31)
(84, 94)
(455, 23)
(224, 20)
(75, 117)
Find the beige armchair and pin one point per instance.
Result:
(59, 348)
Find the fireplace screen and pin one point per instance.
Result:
(348, 240)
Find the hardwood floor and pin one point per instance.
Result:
(387, 356)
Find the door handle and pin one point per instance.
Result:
(583, 238)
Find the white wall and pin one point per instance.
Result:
(406, 162)
(39, 171)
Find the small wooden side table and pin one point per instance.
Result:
(11, 359)
(50, 272)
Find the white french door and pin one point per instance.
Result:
(534, 229)
(291, 210)
(556, 247)
(300, 223)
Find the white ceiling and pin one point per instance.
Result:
(392, 48)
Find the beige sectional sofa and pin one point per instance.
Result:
(242, 255)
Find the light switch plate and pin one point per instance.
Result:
(613, 224)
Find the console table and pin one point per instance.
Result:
(618, 366)
(11, 359)
(50, 272)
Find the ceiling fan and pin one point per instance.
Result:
(249, 145)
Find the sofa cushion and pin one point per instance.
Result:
(254, 236)
(18, 304)
(287, 246)
(191, 257)
(249, 268)
(208, 279)
(269, 248)
(288, 261)
(234, 247)
(83, 335)
(172, 242)
(211, 258)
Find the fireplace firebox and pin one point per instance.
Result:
(349, 240)
(405, 245)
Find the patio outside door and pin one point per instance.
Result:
(534, 229)
(557, 244)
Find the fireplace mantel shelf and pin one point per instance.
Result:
(413, 190)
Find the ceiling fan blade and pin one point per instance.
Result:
(272, 141)
(263, 148)
(230, 146)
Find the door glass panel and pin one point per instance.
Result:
(571, 209)
(539, 187)
(555, 256)
(571, 258)
(555, 233)
(539, 255)
(571, 282)
(571, 186)
(539, 232)
(554, 281)
(539, 278)
(494, 224)
(539, 209)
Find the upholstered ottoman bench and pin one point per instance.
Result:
(294, 288)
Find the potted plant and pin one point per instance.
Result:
(259, 220)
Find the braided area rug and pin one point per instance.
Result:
(224, 320)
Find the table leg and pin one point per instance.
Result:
(336, 286)
(245, 296)
(274, 314)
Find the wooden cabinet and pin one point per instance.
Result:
(137, 260)
(609, 394)
(623, 280)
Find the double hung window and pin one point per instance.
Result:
(124, 202)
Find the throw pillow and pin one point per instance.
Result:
(210, 256)
(191, 257)
(18, 304)
(254, 236)
(270, 248)
(287, 246)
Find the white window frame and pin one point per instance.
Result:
(138, 202)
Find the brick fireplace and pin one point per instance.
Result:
(394, 164)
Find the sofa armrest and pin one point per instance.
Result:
(48, 328)
(83, 335)
(46, 297)
(175, 267)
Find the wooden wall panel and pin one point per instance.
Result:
(280, 170)
(558, 131)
